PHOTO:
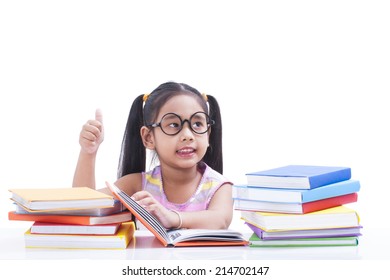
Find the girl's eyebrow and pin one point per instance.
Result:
(190, 115)
(166, 116)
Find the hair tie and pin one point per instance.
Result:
(204, 95)
(146, 96)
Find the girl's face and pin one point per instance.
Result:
(186, 148)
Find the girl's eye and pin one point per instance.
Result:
(174, 125)
(197, 124)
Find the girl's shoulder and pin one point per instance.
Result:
(130, 183)
(210, 174)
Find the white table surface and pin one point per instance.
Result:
(373, 245)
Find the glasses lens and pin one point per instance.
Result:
(170, 124)
(200, 122)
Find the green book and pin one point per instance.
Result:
(255, 241)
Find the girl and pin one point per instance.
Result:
(183, 128)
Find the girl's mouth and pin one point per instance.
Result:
(186, 152)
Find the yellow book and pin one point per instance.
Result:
(41, 199)
(336, 217)
(120, 240)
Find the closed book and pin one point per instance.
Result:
(54, 228)
(295, 195)
(294, 208)
(72, 219)
(119, 240)
(255, 241)
(117, 208)
(298, 176)
(308, 233)
(39, 199)
(336, 217)
(178, 237)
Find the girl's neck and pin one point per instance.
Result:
(180, 184)
(179, 176)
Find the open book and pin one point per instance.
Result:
(178, 237)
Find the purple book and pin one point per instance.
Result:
(316, 233)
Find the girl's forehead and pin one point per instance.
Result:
(182, 105)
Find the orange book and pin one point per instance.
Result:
(178, 237)
(69, 219)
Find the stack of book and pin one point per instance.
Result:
(78, 218)
(300, 205)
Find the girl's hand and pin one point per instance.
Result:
(92, 134)
(167, 218)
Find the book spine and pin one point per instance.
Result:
(331, 190)
(328, 203)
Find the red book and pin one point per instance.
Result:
(294, 208)
(328, 202)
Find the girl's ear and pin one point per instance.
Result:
(147, 138)
(208, 137)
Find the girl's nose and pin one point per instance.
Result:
(186, 133)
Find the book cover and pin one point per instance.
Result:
(72, 219)
(178, 237)
(255, 241)
(60, 198)
(120, 240)
(309, 233)
(55, 228)
(336, 217)
(295, 195)
(117, 208)
(294, 208)
(299, 176)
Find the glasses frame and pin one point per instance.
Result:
(209, 122)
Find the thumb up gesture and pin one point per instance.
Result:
(92, 134)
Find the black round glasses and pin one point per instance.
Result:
(172, 124)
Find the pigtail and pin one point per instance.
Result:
(133, 154)
(213, 156)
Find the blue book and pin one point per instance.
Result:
(295, 195)
(298, 176)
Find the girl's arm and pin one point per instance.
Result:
(217, 216)
(91, 136)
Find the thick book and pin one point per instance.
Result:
(308, 233)
(119, 240)
(255, 241)
(40, 199)
(55, 228)
(178, 237)
(294, 208)
(72, 219)
(295, 195)
(298, 176)
(336, 217)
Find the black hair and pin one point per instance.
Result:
(133, 153)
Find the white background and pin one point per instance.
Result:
(298, 82)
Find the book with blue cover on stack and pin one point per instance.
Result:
(300, 205)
